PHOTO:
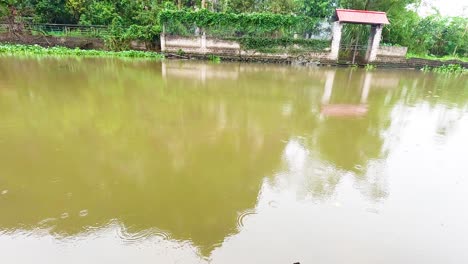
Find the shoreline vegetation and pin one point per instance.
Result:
(36, 50)
(33, 50)
(443, 58)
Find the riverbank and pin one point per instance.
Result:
(18, 49)
(304, 60)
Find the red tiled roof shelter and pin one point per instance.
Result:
(375, 19)
(362, 17)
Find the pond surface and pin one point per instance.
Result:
(115, 161)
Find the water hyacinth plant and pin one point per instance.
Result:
(446, 69)
(15, 49)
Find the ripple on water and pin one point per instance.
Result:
(45, 223)
(4, 192)
(83, 213)
(242, 217)
(134, 237)
(358, 167)
(64, 215)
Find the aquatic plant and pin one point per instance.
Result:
(450, 69)
(369, 67)
(426, 68)
(446, 69)
(15, 49)
(214, 58)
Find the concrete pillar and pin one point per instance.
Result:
(203, 42)
(374, 42)
(163, 42)
(336, 39)
(162, 39)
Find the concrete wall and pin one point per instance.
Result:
(203, 45)
(199, 45)
(390, 51)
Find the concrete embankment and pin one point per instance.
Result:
(387, 57)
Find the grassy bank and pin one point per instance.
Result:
(15, 49)
(444, 58)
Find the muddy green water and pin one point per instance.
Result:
(114, 161)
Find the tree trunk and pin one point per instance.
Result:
(366, 7)
(456, 47)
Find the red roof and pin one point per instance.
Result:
(362, 16)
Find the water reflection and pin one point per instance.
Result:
(189, 158)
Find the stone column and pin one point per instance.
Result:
(336, 39)
(203, 43)
(374, 42)
(162, 39)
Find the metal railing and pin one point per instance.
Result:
(66, 30)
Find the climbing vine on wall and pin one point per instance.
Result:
(243, 23)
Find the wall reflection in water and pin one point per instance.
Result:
(142, 161)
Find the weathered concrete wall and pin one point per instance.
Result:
(199, 45)
(202, 45)
(215, 46)
(391, 51)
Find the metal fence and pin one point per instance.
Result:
(321, 31)
(66, 30)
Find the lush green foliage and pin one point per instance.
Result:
(11, 49)
(140, 19)
(432, 35)
(247, 23)
(440, 36)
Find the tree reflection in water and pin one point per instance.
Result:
(181, 149)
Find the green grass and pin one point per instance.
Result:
(429, 57)
(15, 49)
(214, 58)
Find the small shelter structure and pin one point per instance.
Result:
(375, 19)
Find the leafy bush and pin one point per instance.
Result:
(252, 24)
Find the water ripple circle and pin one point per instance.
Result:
(133, 237)
(241, 218)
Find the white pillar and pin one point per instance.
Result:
(162, 39)
(203, 42)
(336, 39)
(374, 42)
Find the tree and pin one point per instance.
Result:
(316, 8)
